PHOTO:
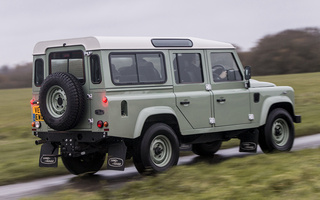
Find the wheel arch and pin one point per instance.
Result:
(276, 102)
(158, 114)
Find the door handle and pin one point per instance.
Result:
(221, 100)
(184, 103)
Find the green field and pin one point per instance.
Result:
(19, 154)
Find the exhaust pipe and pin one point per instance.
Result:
(37, 142)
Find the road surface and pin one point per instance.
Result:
(115, 179)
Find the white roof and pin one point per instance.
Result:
(95, 43)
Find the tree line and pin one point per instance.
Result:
(287, 52)
(17, 77)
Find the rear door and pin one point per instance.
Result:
(192, 98)
(73, 60)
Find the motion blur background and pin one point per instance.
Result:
(280, 39)
(272, 36)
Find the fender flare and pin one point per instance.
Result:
(267, 104)
(147, 112)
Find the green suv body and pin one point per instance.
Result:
(145, 97)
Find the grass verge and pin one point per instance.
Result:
(293, 175)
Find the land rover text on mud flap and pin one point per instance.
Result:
(143, 98)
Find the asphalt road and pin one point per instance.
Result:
(115, 179)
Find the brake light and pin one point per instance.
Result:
(105, 100)
(100, 124)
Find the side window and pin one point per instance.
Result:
(137, 68)
(95, 69)
(224, 67)
(188, 68)
(71, 62)
(38, 72)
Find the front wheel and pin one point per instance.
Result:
(157, 151)
(278, 133)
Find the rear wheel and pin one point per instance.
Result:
(90, 163)
(157, 151)
(206, 149)
(278, 133)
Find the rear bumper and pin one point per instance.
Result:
(56, 136)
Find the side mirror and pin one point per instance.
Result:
(247, 72)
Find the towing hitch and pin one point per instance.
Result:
(37, 142)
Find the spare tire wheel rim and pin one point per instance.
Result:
(56, 101)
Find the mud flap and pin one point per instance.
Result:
(48, 155)
(249, 141)
(116, 156)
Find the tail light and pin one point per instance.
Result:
(101, 124)
(32, 102)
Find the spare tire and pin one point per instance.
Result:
(62, 101)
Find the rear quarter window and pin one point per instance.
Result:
(38, 72)
(95, 69)
(137, 68)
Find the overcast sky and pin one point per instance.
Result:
(241, 22)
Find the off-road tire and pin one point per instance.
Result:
(62, 101)
(278, 132)
(157, 151)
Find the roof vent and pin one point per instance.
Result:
(171, 42)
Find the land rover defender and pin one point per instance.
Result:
(116, 98)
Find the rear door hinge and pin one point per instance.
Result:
(88, 53)
(212, 120)
(89, 96)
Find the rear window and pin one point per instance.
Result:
(137, 68)
(38, 71)
(71, 62)
(95, 69)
